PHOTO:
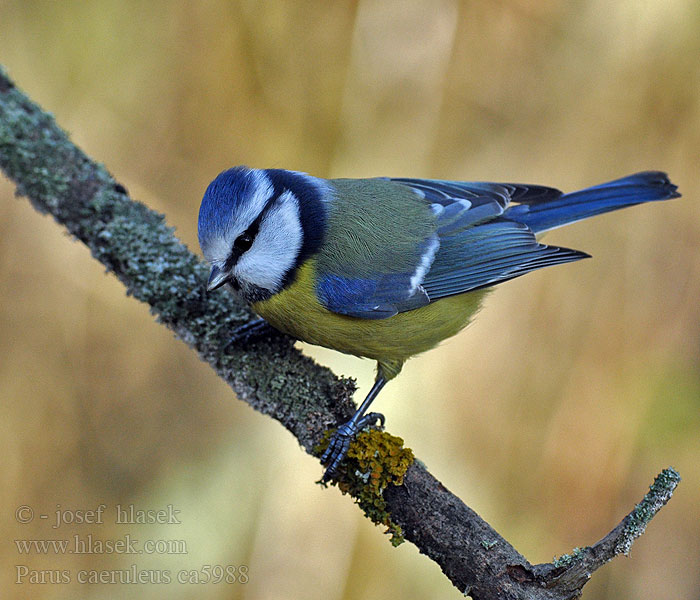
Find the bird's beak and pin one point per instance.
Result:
(217, 278)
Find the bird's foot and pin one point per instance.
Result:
(340, 441)
(251, 330)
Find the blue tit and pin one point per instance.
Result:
(385, 268)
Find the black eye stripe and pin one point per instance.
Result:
(244, 241)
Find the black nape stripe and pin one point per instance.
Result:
(312, 210)
(312, 213)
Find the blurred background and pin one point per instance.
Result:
(550, 415)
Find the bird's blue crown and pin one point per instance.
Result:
(240, 190)
(222, 199)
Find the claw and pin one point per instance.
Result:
(245, 333)
(340, 441)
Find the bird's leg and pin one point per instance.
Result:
(252, 329)
(340, 441)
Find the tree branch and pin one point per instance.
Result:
(136, 245)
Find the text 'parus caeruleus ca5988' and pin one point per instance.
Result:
(385, 268)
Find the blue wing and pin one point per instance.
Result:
(469, 246)
(381, 240)
(481, 239)
(379, 295)
(480, 192)
(487, 254)
(478, 247)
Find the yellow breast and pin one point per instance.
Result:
(296, 311)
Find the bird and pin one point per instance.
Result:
(385, 268)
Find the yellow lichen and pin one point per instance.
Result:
(374, 461)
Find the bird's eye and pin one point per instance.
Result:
(243, 242)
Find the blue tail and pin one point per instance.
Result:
(541, 214)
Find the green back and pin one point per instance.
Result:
(374, 227)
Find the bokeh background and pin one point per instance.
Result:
(550, 415)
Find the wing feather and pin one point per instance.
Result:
(462, 243)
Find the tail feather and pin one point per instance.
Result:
(544, 215)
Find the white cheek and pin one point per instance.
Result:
(276, 247)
